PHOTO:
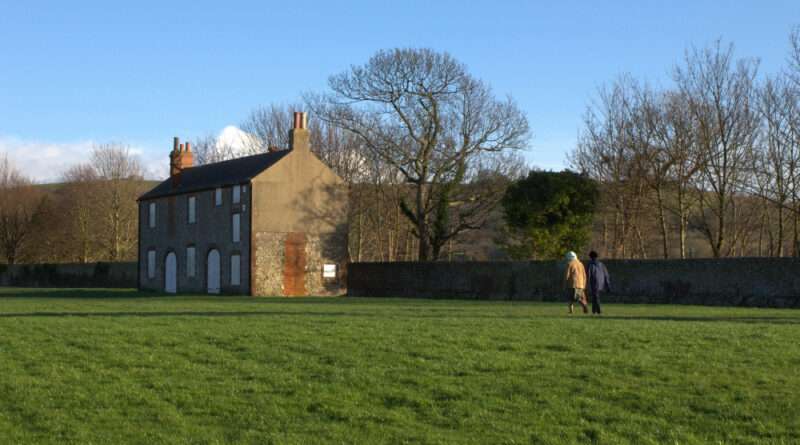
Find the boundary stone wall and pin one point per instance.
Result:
(756, 282)
(115, 275)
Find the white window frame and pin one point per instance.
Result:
(236, 268)
(191, 261)
(151, 215)
(191, 205)
(151, 264)
(237, 194)
(218, 197)
(236, 229)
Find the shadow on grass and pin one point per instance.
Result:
(183, 314)
(102, 293)
(743, 319)
(116, 294)
(397, 315)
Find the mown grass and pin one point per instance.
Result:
(103, 366)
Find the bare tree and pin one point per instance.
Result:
(19, 201)
(721, 94)
(606, 152)
(269, 127)
(119, 171)
(209, 149)
(776, 163)
(685, 160)
(717, 155)
(794, 56)
(421, 113)
(82, 210)
(794, 132)
(650, 143)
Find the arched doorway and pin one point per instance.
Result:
(212, 264)
(171, 274)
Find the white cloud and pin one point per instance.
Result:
(235, 138)
(45, 161)
(156, 167)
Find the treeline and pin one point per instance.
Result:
(90, 216)
(708, 166)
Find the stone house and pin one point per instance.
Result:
(270, 224)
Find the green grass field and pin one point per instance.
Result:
(112, 367)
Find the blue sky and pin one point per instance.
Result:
(77, 73)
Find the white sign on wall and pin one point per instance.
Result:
(329, 271)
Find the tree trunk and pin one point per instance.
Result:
(640, 239)
(394, 249)
(795, 241)
(436, 251)
(662, 221)
(716, 247)
(360, 239)
(422, 226)
(683, 221)
(780, 231)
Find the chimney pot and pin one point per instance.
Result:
(180, 159)
(299, 120)
(298, 135)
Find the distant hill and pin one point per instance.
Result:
(52, 187)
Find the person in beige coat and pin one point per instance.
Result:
(575, 282)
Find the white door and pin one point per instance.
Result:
(171, 273)
(213, 271)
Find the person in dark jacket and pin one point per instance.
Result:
(598, 280)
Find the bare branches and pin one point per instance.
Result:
(420, 113)
(794, 56)
(722, 100)
(712, 155)
(19, 201)
(210, 149)
(115, 161)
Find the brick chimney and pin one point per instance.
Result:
(298, 135)
(179, 160)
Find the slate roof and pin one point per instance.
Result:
(218, 174)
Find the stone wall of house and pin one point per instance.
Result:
(762, 282)
(267, 273)
(117, 275)
(269, 269)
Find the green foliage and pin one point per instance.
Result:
(179, 370)
(548, 213)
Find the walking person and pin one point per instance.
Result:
(575, 282)
(599, 281)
